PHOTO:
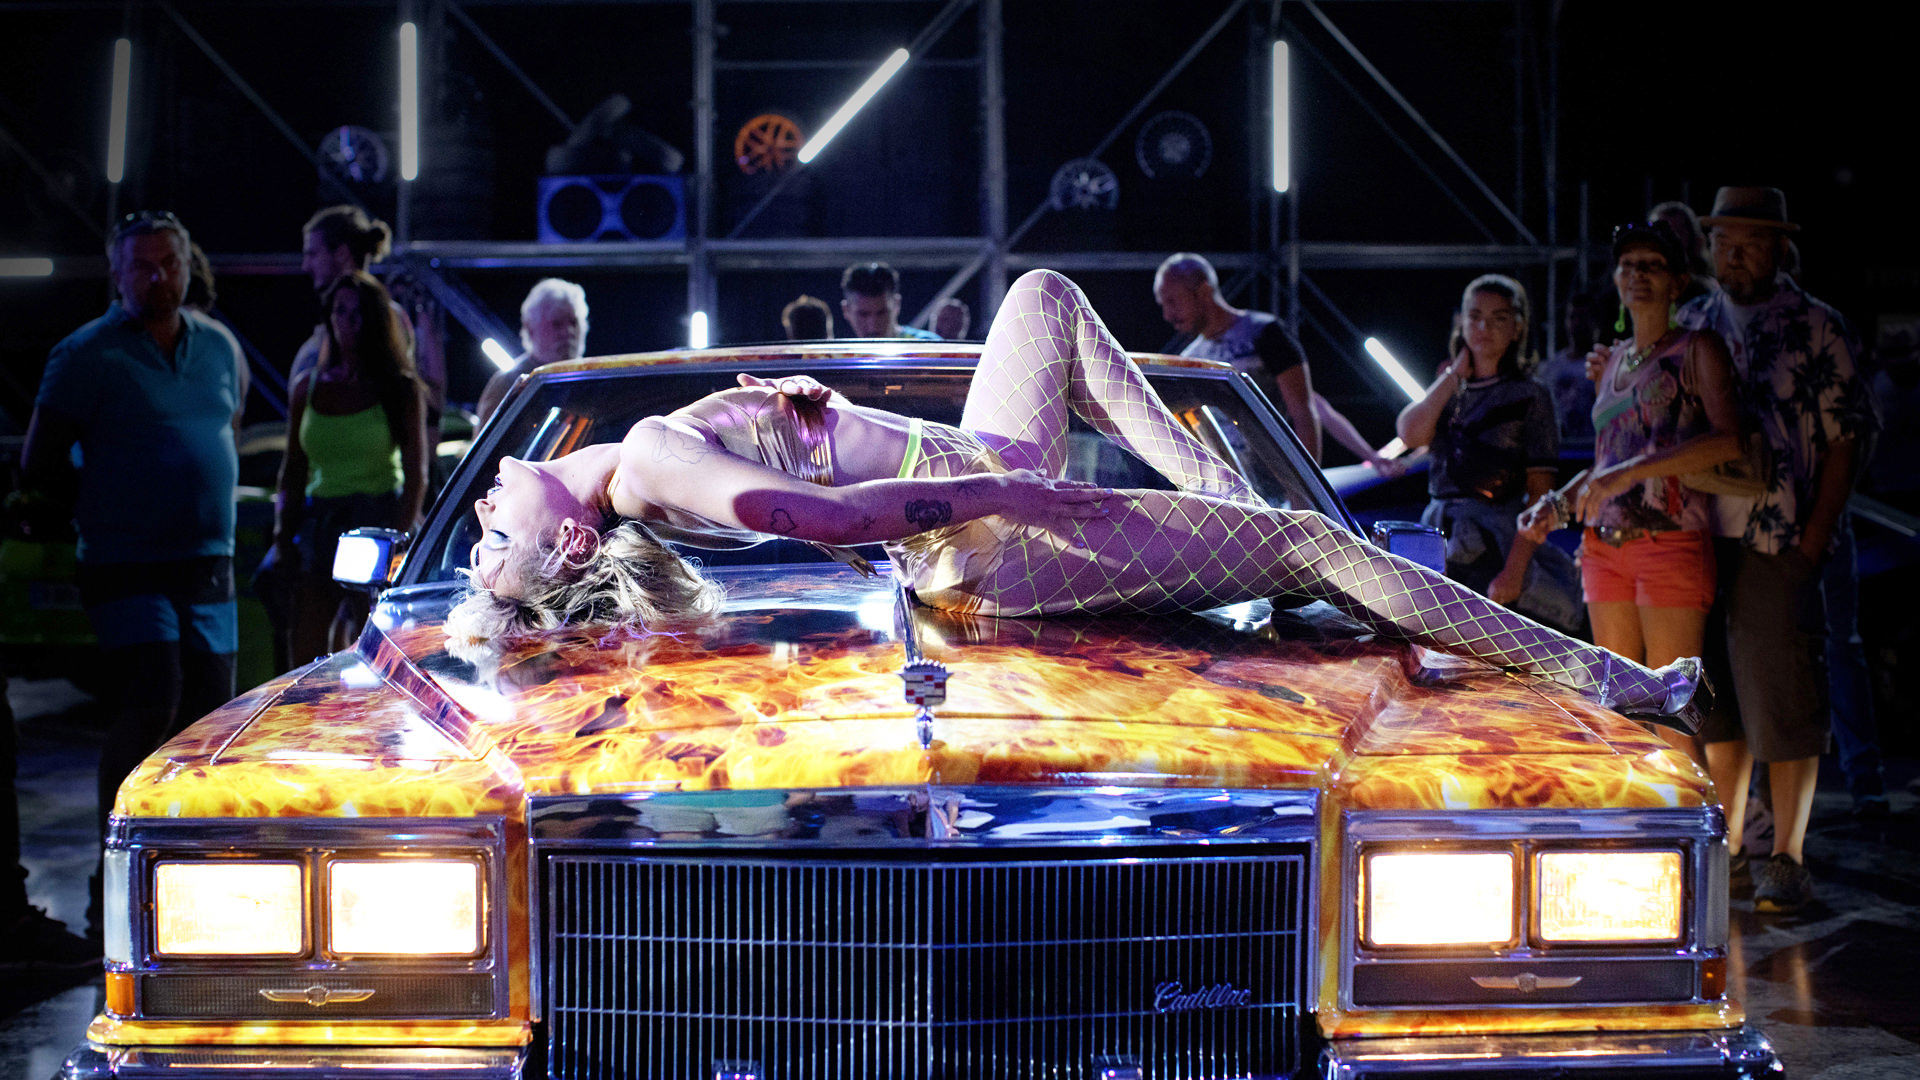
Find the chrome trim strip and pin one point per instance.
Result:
(1738, 1053)
(94, 1062)
(317, 840)
(929, 816)
(1699, 833)
(1700, 821)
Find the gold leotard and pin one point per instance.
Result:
(791, 434)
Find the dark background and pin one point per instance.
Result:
(1657, 101)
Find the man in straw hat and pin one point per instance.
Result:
(1798, 389)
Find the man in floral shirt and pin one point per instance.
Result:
(1798, 390)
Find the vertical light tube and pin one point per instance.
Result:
(1282, 120)
(117, 116)
(697, 330)
(860, 97)
(409, 102)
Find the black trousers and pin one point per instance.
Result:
(13, 876)
(158, 689)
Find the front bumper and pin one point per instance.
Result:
(93, 1062)
(1737, 1054)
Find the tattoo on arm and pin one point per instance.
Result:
(782, 522)
(867, 522)
(679, 446)
(968, 487)
(924, 514)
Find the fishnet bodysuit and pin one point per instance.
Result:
(1210, 543)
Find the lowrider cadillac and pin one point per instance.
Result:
(837, 833)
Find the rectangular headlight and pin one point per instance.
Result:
(1439, 898)
(410, 907)
(229, 909)
(1610, 895)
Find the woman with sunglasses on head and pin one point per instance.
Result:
(976, 518)
(1663, 412)
(1495, 450)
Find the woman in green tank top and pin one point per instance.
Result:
(356, 455)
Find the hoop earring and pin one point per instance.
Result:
(1673, 315)
(1620, 322)
(586, 559)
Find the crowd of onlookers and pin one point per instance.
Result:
(1727, 419)
(1716, 419)
(1723, 411)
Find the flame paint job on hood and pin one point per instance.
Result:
(797, 687)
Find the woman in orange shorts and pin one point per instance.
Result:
(1663, 409)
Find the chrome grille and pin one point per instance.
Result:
(901, 964)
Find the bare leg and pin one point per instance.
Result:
(1671, 633)
(1047, 352)
(1792, 783)
(1731, 765)
(1163, 550)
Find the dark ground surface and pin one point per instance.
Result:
(1834, 986)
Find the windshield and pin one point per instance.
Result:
(568, 412)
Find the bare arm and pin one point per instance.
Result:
(1335, 423)
(1710, 371)
(1418, 421)
(413, 462)
(663, 465)
(44, 458)
(1830, 493)
(1296, 395)
(495, 392)
(290, 494)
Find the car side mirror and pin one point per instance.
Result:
(368, 559)
(1413, 542)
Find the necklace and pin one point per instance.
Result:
(1636, 357)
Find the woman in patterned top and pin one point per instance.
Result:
(1663, 408)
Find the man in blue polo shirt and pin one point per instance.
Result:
(149, 393)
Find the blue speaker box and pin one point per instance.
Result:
(581, 209)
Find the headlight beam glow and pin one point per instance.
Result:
(1610, 895)
(405, 907)
(221, 908)
(1439, 898)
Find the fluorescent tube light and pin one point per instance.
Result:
(859, 99)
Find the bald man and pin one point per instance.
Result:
(1254, 342)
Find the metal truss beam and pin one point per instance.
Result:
(486, 42)
(964, 274)
(925, 39)
(253, 96)
(1420, 121)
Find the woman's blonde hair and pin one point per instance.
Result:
(630, 580)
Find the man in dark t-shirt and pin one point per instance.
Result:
(1254, 342)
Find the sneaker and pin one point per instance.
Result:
(1781, 886)
(1738, 865)
(36, 940)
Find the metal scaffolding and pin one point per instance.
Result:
(1276, 256)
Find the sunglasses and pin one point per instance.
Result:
(145, 221)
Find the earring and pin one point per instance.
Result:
(1620, 322)
(1673, 315)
